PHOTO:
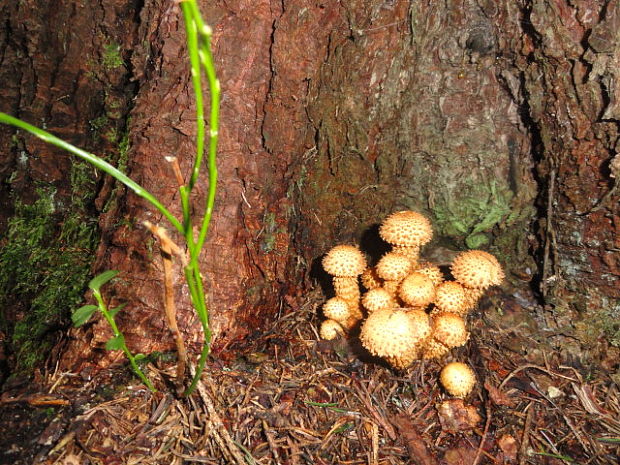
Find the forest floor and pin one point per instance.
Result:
(288, 398)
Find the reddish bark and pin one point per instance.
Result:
(333, 115)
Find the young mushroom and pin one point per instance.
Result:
(406, 231)
(330, 330)
(450, 297)
(338, 310)
(395, 335)
(378, 299)
(345, 263)
(448, 331)
(393, 268)
(417, 290)
(458, 379)
(477, 269)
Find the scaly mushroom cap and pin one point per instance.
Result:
(417, 290)
(344, 261)
(330, 330)
(450, 297)
(477, 269)
(393, 267)
(336, 309)
(370, 279)
(406, 228)
(458, 379)
(392, 334)
(449, 329)
(377, 299)
(432, 271)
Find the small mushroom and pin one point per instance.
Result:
(393, 268)
(417, 290)
(450, 297)
(450, 330)
(395, 335)
(377, 299)
(458, 379)
(477, 269)
(330, 330)
(406, 231)
(345, 263)
(337, 309)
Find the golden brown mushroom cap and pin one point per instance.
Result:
(417, 290)
(344, 261)
(336, 309)
(449, 329)
(331, 329)
(406, 228)
(458, 379)
(377, 299)
(393, 266)
(477, 269)
(394, 335)
(450, 297)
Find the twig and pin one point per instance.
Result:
(167, 246)
(525, 367)
(219, 431)
(525, 437)
(487, 407)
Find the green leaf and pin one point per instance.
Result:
(101, 279)
(83, 314)
(139, 357)
(115, 310)
(115, 343)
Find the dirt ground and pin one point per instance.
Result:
(287, 398)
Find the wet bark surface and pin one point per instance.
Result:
(498, 120)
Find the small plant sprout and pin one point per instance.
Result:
(198, 36)
(116, 342)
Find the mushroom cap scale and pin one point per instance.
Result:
(344, 261)
(458, 379)
(406, 228)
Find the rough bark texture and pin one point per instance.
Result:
(481, 114)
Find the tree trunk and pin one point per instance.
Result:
(496, 119)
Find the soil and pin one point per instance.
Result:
(286, 397)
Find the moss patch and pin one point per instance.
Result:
(44, 266)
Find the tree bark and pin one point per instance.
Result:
(496, 119)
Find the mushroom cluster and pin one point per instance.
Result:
(409, 310)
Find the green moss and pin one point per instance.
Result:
(112, 56)
(471, 209)
(45, 263)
